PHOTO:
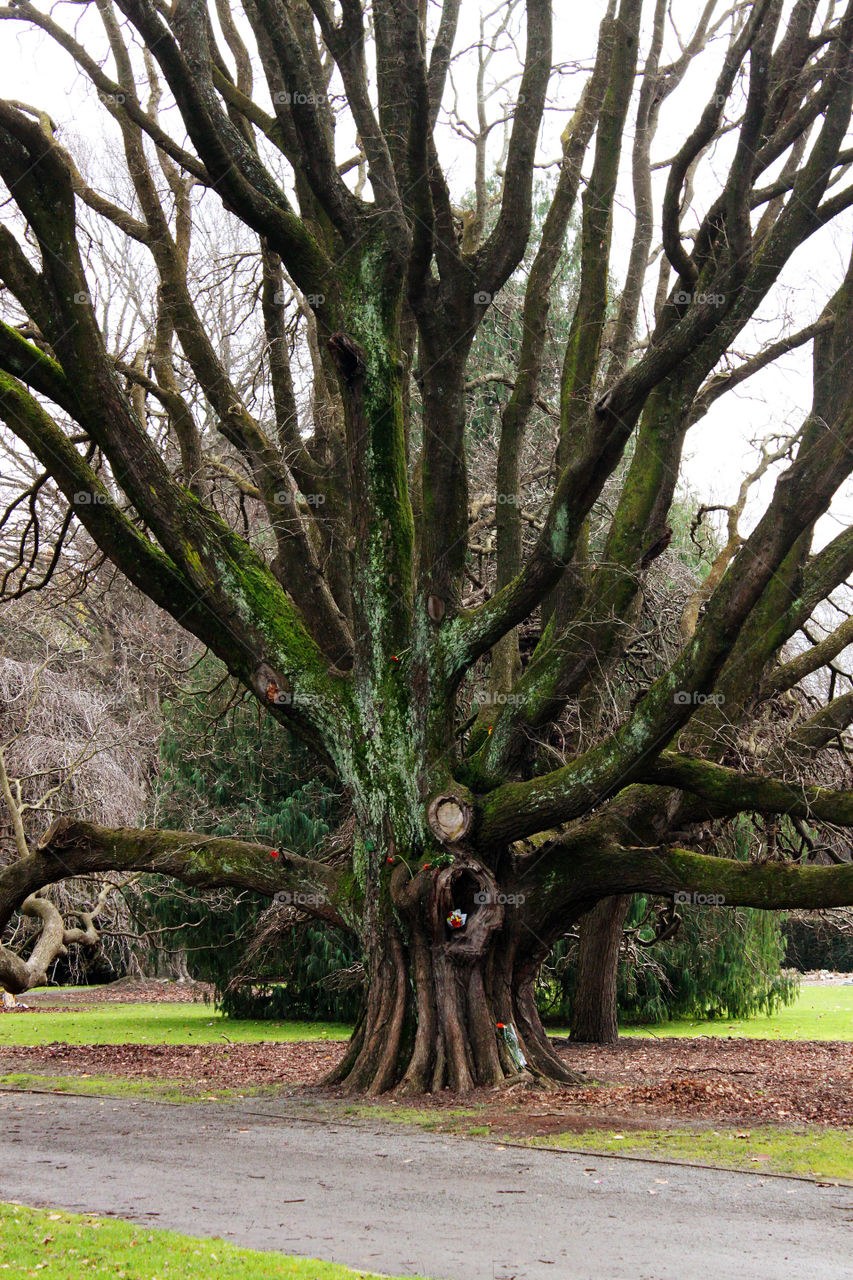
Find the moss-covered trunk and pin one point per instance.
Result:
(450, 988)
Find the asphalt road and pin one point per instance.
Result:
(392, 1200)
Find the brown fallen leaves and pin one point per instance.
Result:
(640, 1083)
(210, 1066)
(770, 1081)
(124, 991)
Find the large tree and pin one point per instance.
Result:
(335, 586)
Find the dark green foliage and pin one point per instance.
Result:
(819, 943)
(81, 967)
(226, 770)
(723, 962)
(496, 346)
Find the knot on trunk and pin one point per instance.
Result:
(271, 687)
(466, 887)
(349, 358)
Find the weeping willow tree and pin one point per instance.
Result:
(268, 488)
(683, 960)
(724, 965)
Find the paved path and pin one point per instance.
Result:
(393, 1200)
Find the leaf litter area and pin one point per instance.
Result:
(634, 1084)
(124, 991)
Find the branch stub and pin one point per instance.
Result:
(449, 818)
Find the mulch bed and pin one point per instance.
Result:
(711, 1078)
(641, 1084)
(213, 1066)
(125, 991)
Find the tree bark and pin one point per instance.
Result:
(442, 1000)
(594, 1012)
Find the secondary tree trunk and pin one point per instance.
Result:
(594, 1013)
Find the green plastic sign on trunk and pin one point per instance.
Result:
(513, 1047)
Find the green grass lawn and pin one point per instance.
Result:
(826, 1153)
(65, 1246)
(813, 1152)
(818, 1013)
(153, 1024)
(97, 1086)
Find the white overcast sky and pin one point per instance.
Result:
(34, 70)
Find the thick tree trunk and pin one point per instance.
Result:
(444, 1004)
(594, 1013)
